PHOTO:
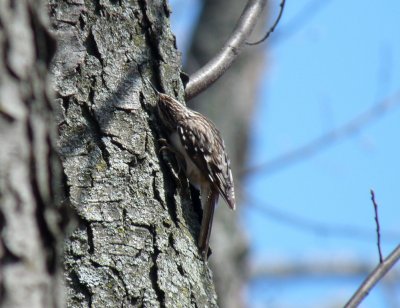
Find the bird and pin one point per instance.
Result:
(200, 150)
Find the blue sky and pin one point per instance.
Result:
(331, 67)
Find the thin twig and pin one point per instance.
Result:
(373, 278)
(214, 69)
(316, 145)
(378, 228)
(297, 23)
(281, 7)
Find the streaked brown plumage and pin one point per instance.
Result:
(206, 163)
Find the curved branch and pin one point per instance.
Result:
(214, 69)
(272, 29)
(373, 278)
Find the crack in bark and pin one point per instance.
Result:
(90, 237)
(154, 271)
(156, 192)
(96, 132)
(82, 22)
(193, 300)
(65, 102)
(171, 243)
(98, 8)
(150, 37)
(66, 187)
(80, 287)
(180, 270)
(91, 90)
(119, 2)
(92, 48)
(124, 216)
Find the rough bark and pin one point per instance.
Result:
(229, 103)
(135, 245)
(30, 234)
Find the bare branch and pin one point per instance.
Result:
(282, 6)
(320, 143)
(378, 232)
(317, 227)
(373, 278)
(311, 267)
(214, 69)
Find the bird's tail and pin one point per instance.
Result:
(209, 202)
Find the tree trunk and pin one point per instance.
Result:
(229, 103)
(136, 241)
(30, 234)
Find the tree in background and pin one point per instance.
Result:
(30, 174)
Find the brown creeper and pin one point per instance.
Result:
(201, 151)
